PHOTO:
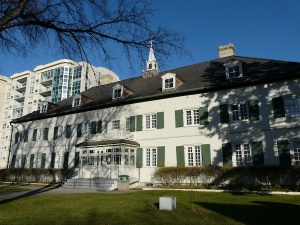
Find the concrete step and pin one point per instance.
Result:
(97, 184)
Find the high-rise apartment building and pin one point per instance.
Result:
(23, 92)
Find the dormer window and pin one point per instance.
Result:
(168, 81)
(76, 100)
(233, 69)
(117, 91)
(43, 107)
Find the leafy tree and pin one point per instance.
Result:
(80, 28)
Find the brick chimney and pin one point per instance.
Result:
(226, 50)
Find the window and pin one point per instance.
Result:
(127, 125)
(296, 149)
(32, 80)
(63, 132)
(117, 93)
(151, 121)
(43, 108)
(169, 83)
(239, 111)
(151, 157)
(194, 156)
(233, 69)
(31, 90)
(192, 117)
(242, 154)
(29, 100)
(115, 124)
(76, 101)
(43, 134)
(113, 156)
(292, 106)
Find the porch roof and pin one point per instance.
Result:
(107, 142)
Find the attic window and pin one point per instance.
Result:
(117, 91)
(76, 100)
(43, 108)
(233, 69)
(168, 81)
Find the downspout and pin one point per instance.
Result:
(134, 182)
(10, 141)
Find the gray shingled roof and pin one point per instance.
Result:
(197, 78)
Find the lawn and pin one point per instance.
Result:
(141, 207)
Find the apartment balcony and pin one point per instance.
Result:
(46, 80)
(21, 87)
(45, 91)
(20, 97)
(17, 106)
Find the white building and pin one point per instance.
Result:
(234, 111)
(23, 92)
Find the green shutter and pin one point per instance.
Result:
(278, 107)
(253, 110)
(79, 130)
(68, 131)
(99, 126)
(227, 154)
(132, 123)
(224, 114)
(55, 133)
(139, 158)
(180, 155)
(26, 136)
(179, 118)
(13, 161)
(76, 161)
(43, 162)
(139, 123)
(16, 137)
(94, 127)
(52, 163)
(284, 152)
(160, 120)
(66, 160)
(45, 134)
(31, 160)
(206, 159)
(161, 156)
(23, 163)
(258, 153)
(203, 113)
(34, 135)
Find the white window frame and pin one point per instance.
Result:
(43, 107)
(151, 157)
(116, 124)
(237, 69)
(292, 106)
(150, 121)
(295, 153)
(242, 154)
(76, 100)
(192, 117)
(127, 124)
(193, 155)
(118, 88)
(168, 77)
(239, 111)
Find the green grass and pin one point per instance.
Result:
(141, 207)
(6, 189)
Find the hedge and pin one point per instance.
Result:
(271, 176)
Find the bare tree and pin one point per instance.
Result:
(80, 28)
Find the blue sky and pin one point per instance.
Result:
(258, 28)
